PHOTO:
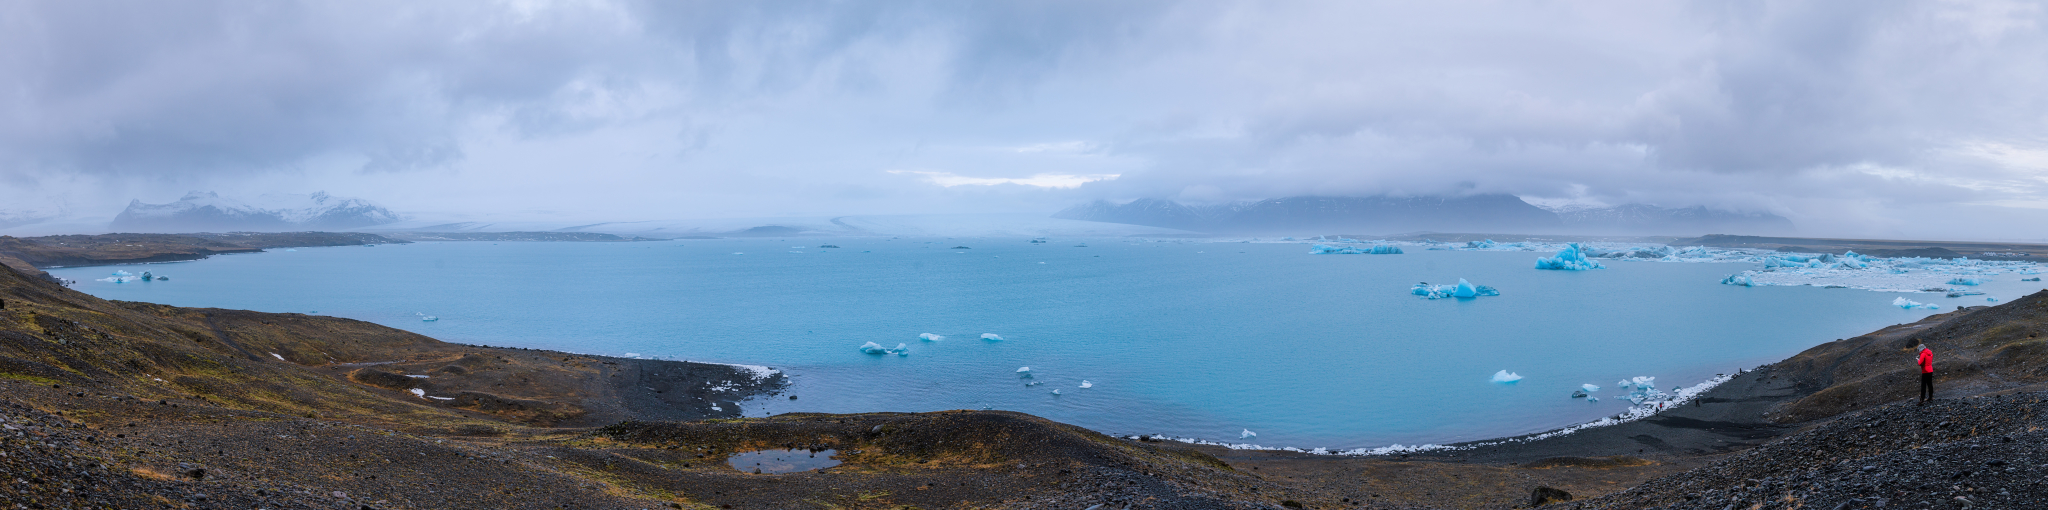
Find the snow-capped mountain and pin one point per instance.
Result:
(208, 211)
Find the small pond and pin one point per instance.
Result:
(774, 462)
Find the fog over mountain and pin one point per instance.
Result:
(1864, 118)
(209, 212)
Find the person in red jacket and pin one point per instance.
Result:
(1926, 374)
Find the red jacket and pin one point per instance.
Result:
(1927, 361)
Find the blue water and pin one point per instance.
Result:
(1188, 339)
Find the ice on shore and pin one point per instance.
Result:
(1247, 434)
(1377, 249)
(1506, 377)
(928, 337)
(1736, 279)
(632, 355)
(1965, 281)
(1909, 304)
(991, 336)
(1642, 389)
(1571, 258)
(1463, 289)
(1086, 384)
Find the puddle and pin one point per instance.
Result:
(773, 462)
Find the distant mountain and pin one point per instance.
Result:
(1639, 219)
(1329, 215)
(1389, 215)
(209, 212)
(10, 219)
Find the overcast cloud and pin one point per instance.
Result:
(1882, 118)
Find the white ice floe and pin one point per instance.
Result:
(1909, 304)
(1024, 371)
(632, 355)
(759, 372)
(991, 336)
(1055, 392)
(1506, 377)
(1589, 388)
(928, 337)
(1086, 384)
(1247, 434)
(872, 348)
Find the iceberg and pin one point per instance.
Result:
(1055, 392)
(1480, 245)
(991, 336)
(1736, 279)
(1086, 384)
(429, 318)
(900, 350)
(1377, 249)
(1247, 434)
(1506, 377)
(1024, 371)
(1463, 290)
(928, 337)
(872, 348)
(1571, 258)
(1914, 305)
(1966, 281)
(1589, 388)
(1642, 389)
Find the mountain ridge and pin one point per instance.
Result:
(1389, 215)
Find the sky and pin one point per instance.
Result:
(1920, 119)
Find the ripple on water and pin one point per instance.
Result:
(783, 461)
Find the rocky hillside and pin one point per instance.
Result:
(88, 250)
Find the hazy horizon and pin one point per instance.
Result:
(1851, 119)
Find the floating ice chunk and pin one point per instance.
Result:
(632, 355)
(1024, 371)
(1480, 245)
(1247, 434)
(418, 392)
(1590, 398)
(928, 337)
(1571, 258)
(872, 348)
(1966, 281)
(739, 253)
(1378, 249)
(123, 273)
(1736, 279)
(900, 350)
(1990, 299)
(1589, 388)
(1914, 305)
(1055, 392)
(429, 318)
(991, 336)
(1463, 289)
(1506, 377)
(1086, 384)
(1642, 389)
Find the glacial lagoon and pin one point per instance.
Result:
(1187, 338)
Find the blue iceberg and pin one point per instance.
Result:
(1965, 281)
(1505, 377)
(1571, 258)
(1736, 279)
(872, 348)
(1463, 289)
(991, 336)
(928, 337)
(1377, 249)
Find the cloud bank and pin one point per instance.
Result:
(1911, 119)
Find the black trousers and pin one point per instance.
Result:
(1926, 386)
